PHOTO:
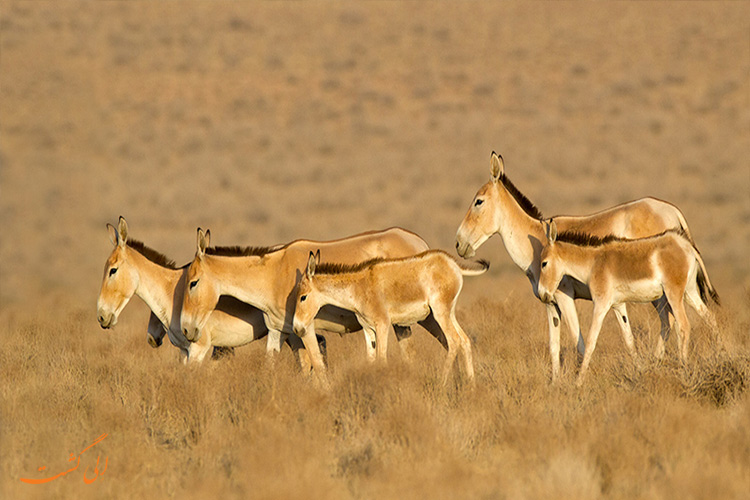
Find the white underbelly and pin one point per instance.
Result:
(231, 332)
(639, 291)
(409, 313)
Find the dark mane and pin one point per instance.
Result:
(522, 200)
(151, 254)
(237, 251)
(335, 268)
(588, 240)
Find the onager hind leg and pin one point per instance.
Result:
(370, 343)
(433, 327)
(446, 340)
(465, 343)
(456, 339)
(381, 336)
(662, 307)
(403, 334)
(693, 297)
(681, 323)
(627, 333)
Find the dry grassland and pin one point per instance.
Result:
(238, 427)
(276, 121)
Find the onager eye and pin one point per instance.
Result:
(112, 271)
(478, 202)
(544, 264)
(303, 298)
(193, 283)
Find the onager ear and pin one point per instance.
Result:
(317, 257)
(204, 240)
(113, 236)
(497, 167)
(311, 263)
(551, 230)
(122, 231)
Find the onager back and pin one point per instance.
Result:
(421, 289)
(618, 271)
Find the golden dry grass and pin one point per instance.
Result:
(243, 427)
(277, 121)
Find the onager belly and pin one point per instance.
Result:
(638, 291)
(408, 313)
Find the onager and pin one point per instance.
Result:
(135, 269)
(500, 208)
(421, 289)
(617, 271)
(266, 278)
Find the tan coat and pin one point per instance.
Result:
(617, 271)
(420, 289)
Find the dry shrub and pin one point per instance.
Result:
(243, 426)
(718, 380)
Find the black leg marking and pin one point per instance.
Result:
(372, 343)
(624, 319)
(555, 321)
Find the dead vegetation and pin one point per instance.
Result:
(241, 426)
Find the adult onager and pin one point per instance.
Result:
(500, 208)
(421, 289)
(266, 278)
(617, 271)
(133, 268)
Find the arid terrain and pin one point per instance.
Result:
(277, 121)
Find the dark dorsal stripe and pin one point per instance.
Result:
(237, 251)
(528, 207)
(151, 254)
(588, 240)
(335, 268)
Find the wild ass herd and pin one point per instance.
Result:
(640, 251)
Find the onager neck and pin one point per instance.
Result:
(250, 279)
(339, 290)
(156, 286)
(577, 261)
(522, 234)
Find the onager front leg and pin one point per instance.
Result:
(600, 310)
(553, 319)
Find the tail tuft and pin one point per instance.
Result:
(705, 289)
(473, 268)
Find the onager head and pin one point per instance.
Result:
(201, 292)
(308, 298)
(483, 218)
(120, 279)
(551, 269)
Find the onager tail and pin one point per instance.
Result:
(473, 268)
(704, 284)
